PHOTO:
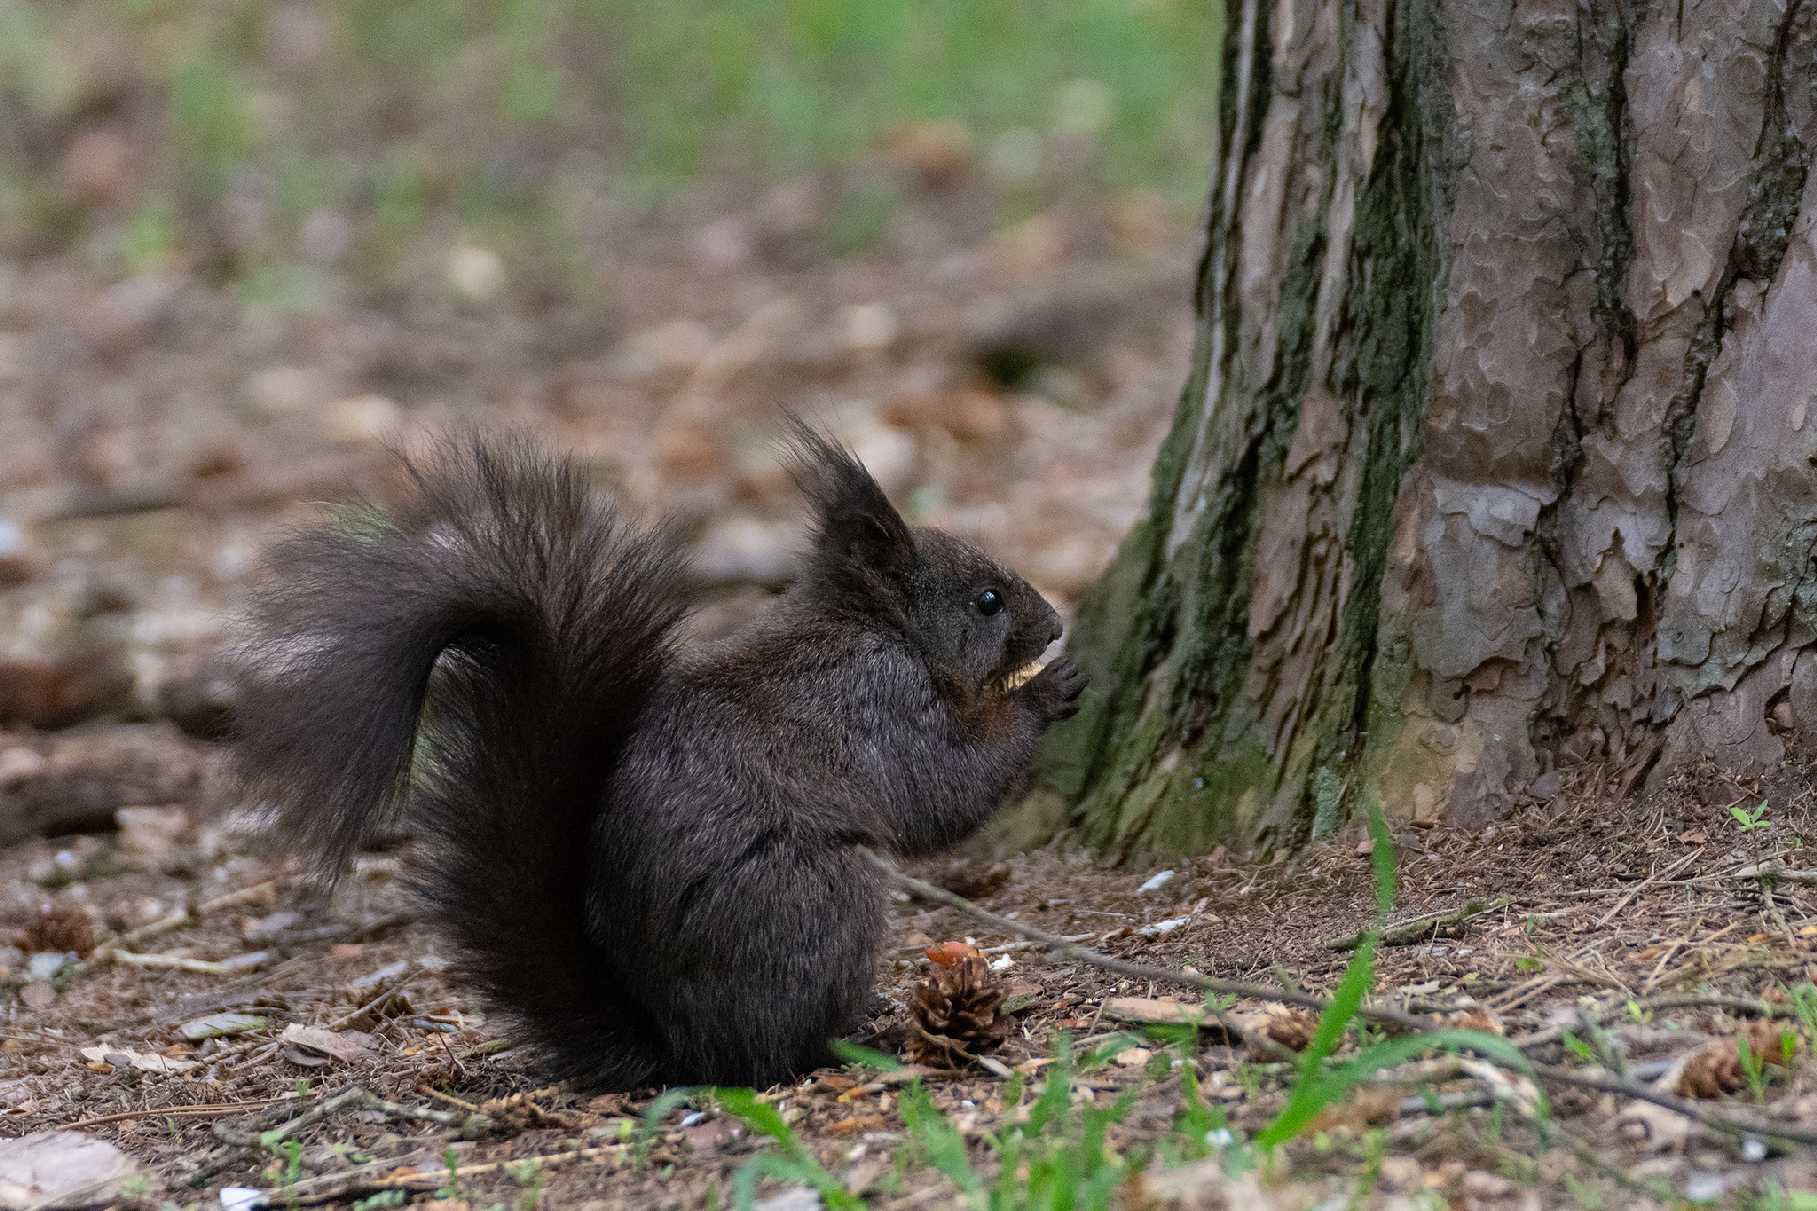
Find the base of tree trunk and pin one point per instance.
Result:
(1498, 451)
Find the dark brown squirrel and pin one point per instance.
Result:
(647, 855)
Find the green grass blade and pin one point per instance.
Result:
(768, 1164)
(865, 1057)
(1309, 1094)
(653, 1116)
(1306, 1099)
(944, 1146)
(801, 1166)
(1381, 859)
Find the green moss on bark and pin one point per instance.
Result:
(1170, 753)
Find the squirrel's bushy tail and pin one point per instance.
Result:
(471, 661)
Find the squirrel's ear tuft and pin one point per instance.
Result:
(855, 522)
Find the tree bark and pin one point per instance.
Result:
(1498, 450)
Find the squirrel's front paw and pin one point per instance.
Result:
(1054, 691)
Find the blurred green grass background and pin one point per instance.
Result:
(287, 145)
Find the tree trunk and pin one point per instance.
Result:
(1497, 453)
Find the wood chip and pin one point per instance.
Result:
(116, 1057)
(216, 1025)
(314, 1047)
(58, 1169)
(1153, 1011)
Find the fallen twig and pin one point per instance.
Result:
(287, 1127)
(385, 1175)
(1645, 883)
(1056, 944)
(241, 1140)
(210, 967)
(1707, 1000)
(197, 1110)
(1775, 870)
(1415, 928)
(182, 916)
(1696, 1112)
(244, 1139)
(1734, 1124)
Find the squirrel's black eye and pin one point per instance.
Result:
(988, 602)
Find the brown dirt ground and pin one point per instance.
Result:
(1607, 904)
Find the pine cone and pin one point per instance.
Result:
(1714, 1069)
(61, 927)
(955, 1013)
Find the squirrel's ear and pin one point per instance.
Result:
(856, 524)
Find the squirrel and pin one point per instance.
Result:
(647, 855)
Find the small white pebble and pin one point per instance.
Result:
(694, 1119)
(1161, 927)
(1002, 963)
(1753, 1150)
(242, 1198)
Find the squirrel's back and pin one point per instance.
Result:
(652, 867)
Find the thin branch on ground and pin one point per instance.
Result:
(196, 1110)
(1708, 1000)
(1415, 928)
(384, 1175)
(268, 1127)
(1056, 944)
(1658, 877)
(114, 947)
(1601, 1083)
(322, 1108)
(168, 962)
(1775, 870)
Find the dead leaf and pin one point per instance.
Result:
(117, 1057)
(57, 1169)
(1153, 1011)
(1369, 1106)
(1134, 1057)
(315, 1047)
(856, 1124)
(1653, 1129)
(1475, 1018)
(713, 1135)
(1290, 1027)
(216, 1025)
(1018, 995)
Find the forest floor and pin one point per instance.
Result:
(1623, 940)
